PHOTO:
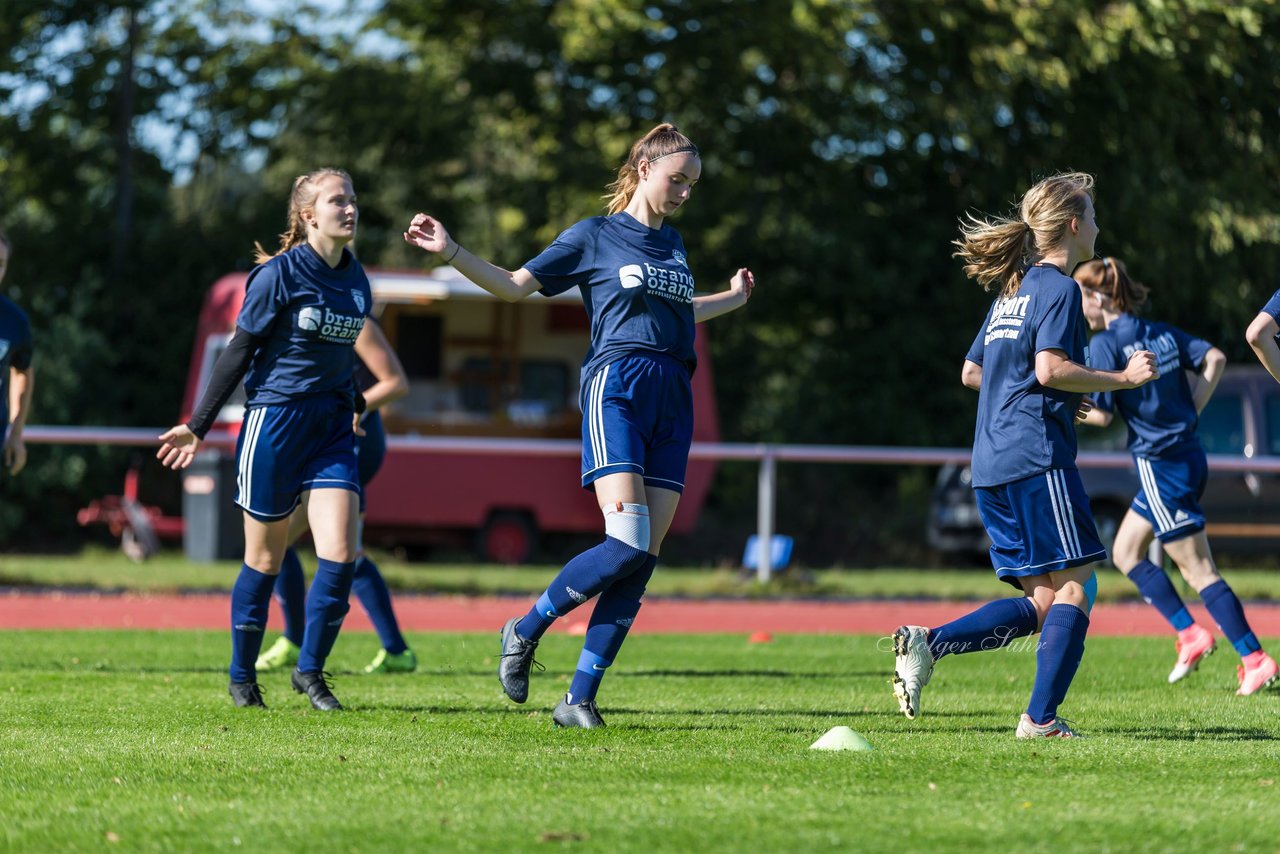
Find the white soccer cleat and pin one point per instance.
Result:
(913, 665)
(1053, 729)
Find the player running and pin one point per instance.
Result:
(1162, 417)
(1028, 366)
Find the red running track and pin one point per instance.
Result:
(63, 610)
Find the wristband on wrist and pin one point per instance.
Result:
(457, 247)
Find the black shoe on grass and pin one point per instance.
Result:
(317, 687)
(583, 715)
(246, 694)
(515, 662)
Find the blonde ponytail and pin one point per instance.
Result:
(997, 251)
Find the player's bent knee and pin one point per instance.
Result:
(622, 560)
(628, 523)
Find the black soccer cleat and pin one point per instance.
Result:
(515, 662)
(317, 687)
(246, 694)
(583, 715)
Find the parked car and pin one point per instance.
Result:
(1242, 510)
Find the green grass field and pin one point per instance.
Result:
(100, 569)
(129, 738)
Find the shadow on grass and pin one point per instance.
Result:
(773, 674)
(1168, 733)
(1151, 733)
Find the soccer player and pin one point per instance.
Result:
(17, 377)
(637, 406)
(381, 379)
(1162, 417)
(303, 310)
(1028, 366)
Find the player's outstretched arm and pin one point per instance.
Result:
(426, 232)
(714, 305)
(1055, 370)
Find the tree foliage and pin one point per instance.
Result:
(842, 139)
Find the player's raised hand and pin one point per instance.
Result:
(1142, 368)
(743, 283)
(427, 233)
(178, 447)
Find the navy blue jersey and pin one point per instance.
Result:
(310, 314)
(15, 351)
(635, 284)
(1025, 428)
(1161, 414)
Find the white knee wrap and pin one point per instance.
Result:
(628, 523)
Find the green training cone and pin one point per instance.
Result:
(841, 738)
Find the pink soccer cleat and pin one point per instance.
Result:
(1257, 674)
(1194, 643)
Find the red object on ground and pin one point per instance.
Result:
(760, 637)
(64, 610)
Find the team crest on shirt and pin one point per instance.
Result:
(4, 348)
(359, 298)
(678, 257)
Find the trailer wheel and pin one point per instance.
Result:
(508, 537)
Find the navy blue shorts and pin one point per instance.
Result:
(371, 450)
(637, 416)
(286, 449)
(1038, 525)
(1170, 495)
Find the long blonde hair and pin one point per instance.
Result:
(663, 140)
(306, 189)
(997, 251)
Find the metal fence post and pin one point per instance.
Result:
(764, 514)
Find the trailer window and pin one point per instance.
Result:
(541, 388)
(419, 338)
(1222, 425)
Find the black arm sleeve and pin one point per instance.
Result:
(227, 373)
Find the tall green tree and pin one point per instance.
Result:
(842, 140)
